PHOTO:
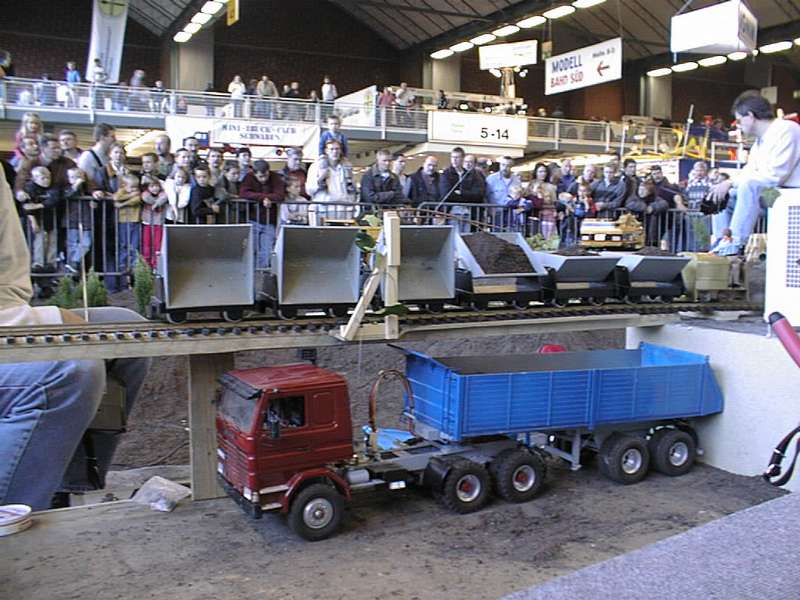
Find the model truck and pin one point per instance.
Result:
(477, 425)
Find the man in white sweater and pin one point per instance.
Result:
(773, 162)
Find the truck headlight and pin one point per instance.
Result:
(247, 493)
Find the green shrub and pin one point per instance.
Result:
(67, 294)
(143, 284)
(96, 292)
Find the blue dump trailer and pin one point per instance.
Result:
(632, 407)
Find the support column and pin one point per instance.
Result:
(193, 62)
(655, 95)
(446, 74)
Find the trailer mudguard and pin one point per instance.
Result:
(435, 473)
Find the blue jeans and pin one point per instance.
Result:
(78, 246)
(741, 213)
(127, 246)
(263, 241)
(44, 409)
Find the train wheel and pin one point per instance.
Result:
(624, 458)
(520, 304)
(559, 302)
(466, 487)
(435, 307)
(673, 451)
(233, 315)
(479, 304)
(176, 317)
(338, 312)
(633, 299)
(287, 313)
(594, 301)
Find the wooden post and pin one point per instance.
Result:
(204, 370)
(391, 231)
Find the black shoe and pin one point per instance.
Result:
(60, 500)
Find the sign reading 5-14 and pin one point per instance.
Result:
(478, 128)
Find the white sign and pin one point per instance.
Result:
(583, 67)
(358, 108)
(478, 129)
(721, 28)
(108, 32)
(266, 139)
(498, 56)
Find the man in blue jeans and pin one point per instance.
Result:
(265, 190)
(45, 407)
(773, 162)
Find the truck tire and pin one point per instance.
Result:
(673, 451)
(518, 475)
(624, 458)
(466, 487)
(316, 512)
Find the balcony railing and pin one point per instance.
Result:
(100, 102)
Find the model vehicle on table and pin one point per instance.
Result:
(477, 426)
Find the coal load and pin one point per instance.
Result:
(575, 251)
(654, 251)
(497, 256)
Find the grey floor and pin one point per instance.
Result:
(753, 554)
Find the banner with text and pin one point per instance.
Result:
(108, 32)
(357, 109)
(583, 67)
(517, 54)
(266, 139)
(478, 129)
(734, 28)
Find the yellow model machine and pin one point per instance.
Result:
(624, 233)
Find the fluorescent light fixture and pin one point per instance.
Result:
(586, 3)
(439, 54)
(462, 46)
(532, 22)
(182, 36)
(712, 61)
(507, 30)
(687, 66)
(202, 18)
(484, 38)
(797, 41)
(211, 7)
(193, 27)
(738, 55)
(559, 11)
(659, 72)
(776, 47)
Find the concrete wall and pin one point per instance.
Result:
(759, 383)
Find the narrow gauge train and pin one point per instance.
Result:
(322, 268)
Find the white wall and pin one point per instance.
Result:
(760, 386)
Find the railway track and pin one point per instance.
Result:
(150, 331)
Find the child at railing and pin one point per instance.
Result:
(128, 202)
(521, 208)
(154, 203)
(179, 192)
(294, 209)
(202, 207)
(80, 207)
(41, 210)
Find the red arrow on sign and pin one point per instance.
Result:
(601, 67)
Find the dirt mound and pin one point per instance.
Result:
(497, 256)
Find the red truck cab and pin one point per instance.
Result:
(280, 429)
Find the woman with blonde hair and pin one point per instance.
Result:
(31, 126)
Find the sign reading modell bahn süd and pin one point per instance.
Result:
(583, 67)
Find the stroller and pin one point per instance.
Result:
(791, 342)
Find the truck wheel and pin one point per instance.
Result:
(466, 487)
(519, 475)
(624, 458)
(316, 512)
(673, 451)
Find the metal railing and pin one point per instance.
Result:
(86, 233)
(102, 101)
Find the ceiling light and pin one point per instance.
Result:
(712, 61)
(687, 66)
(776, 47)
(738, 55)
(586, 3)
(201, 18)
(211, 7)
(659, 72)
(559, 11)
(462, 46)
(496, 72)
(193, 27)
(483, 39)
(182, 36)
(507, 30)
(442, 53)
(532, 22)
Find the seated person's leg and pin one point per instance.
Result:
(746, 211)
(45, 408)
(722, 220)
(130, 374)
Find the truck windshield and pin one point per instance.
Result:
(236, 409)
